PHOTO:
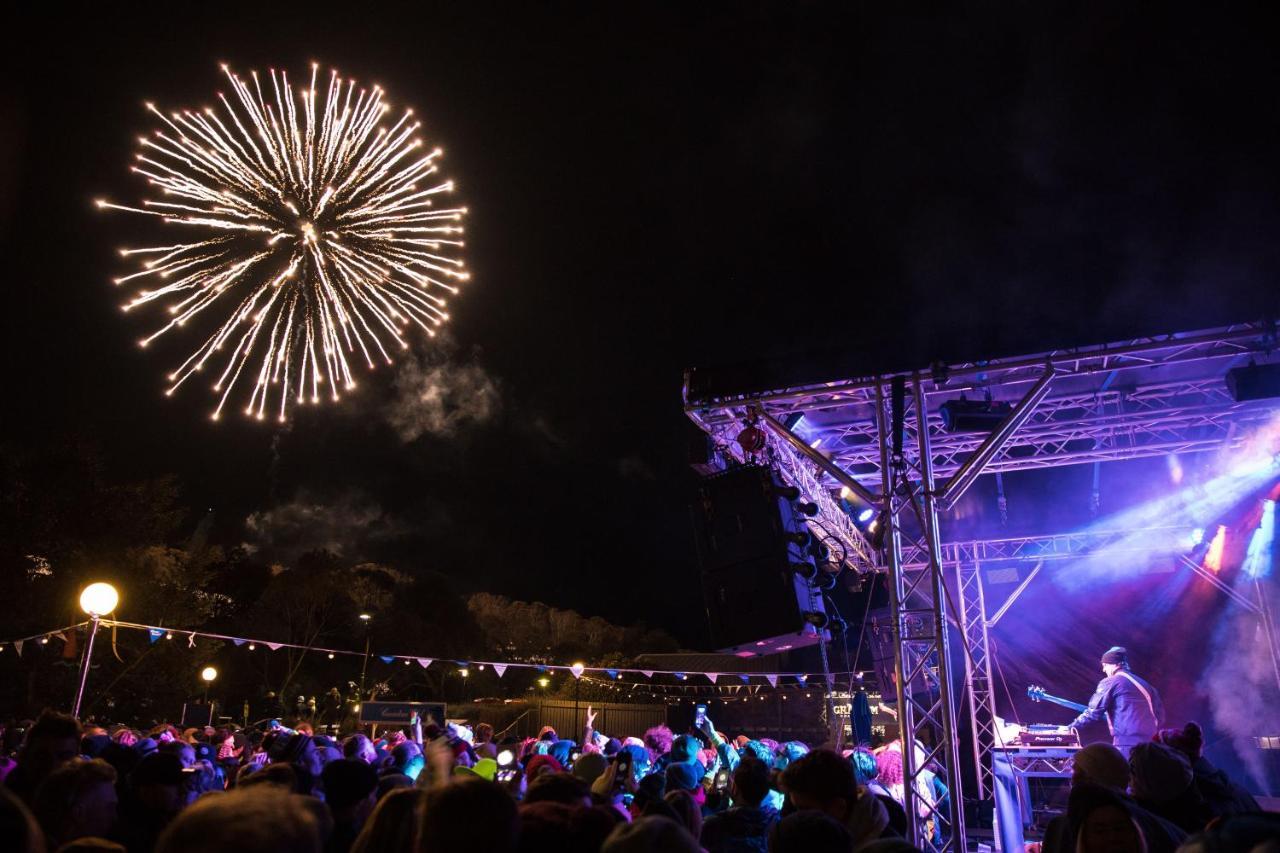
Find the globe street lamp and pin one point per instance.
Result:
(366, 618)
(577, 669)
(208, 674)
(97, 600)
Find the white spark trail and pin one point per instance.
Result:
(319, 238)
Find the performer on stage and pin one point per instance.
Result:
(1131, 706)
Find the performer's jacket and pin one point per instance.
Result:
(1119, 700)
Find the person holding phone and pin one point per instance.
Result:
(747, 824)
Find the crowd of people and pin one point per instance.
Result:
(73, 787)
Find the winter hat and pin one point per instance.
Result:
(347, 781)
(648, 834)
(590, 766)
(685, 748)
(1116, 655)
(542, 764)
(290, 749)
(684, 775)
(561, 749)
(1102, 764)
(92, 745)
(1189, 740)
(1157, 772)
(159, 768)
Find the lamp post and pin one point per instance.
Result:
(364, 666)
(208, 674)
(97, 600)
(577, 669)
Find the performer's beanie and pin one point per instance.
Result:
(1116, 655)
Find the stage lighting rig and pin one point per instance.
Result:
(965, 415)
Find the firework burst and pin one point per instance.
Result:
(312, 227)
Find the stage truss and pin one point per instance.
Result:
(1133, 399)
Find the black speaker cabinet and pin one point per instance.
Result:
(753, 546)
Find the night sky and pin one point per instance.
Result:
(651, 187)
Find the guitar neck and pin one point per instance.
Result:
(1066, 703)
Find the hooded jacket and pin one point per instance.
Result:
(742, 829)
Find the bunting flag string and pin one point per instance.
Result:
(155, 633)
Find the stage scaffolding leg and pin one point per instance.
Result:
(977, 674)
(922, 664)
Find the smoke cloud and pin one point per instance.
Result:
(439, 396)
(1240, 684)
(343, 526)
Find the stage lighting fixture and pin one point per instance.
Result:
(1254, 382)
(807, 508)
(973, 415)
(878, 528)
(751, 439)
(1197, 536)
(805, 570)
(793, 420)
(866, 515)
(790, 493)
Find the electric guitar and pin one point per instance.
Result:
(1037, 694)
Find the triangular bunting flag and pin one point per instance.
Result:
(238, 641)
(17, 646)
(154, 634)
(275, 647)
(499, 668)
(772, 679)
(191, 641)
(803, 679)
(61, 636)
(648, 673)
(712, 676)
(424, 662)
(384, 658)
(831, 681)
(613, 673)
(746, 679)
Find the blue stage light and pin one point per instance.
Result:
(866, 515)
(1197, 536)
(1257, 561)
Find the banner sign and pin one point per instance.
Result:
(398, 713)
